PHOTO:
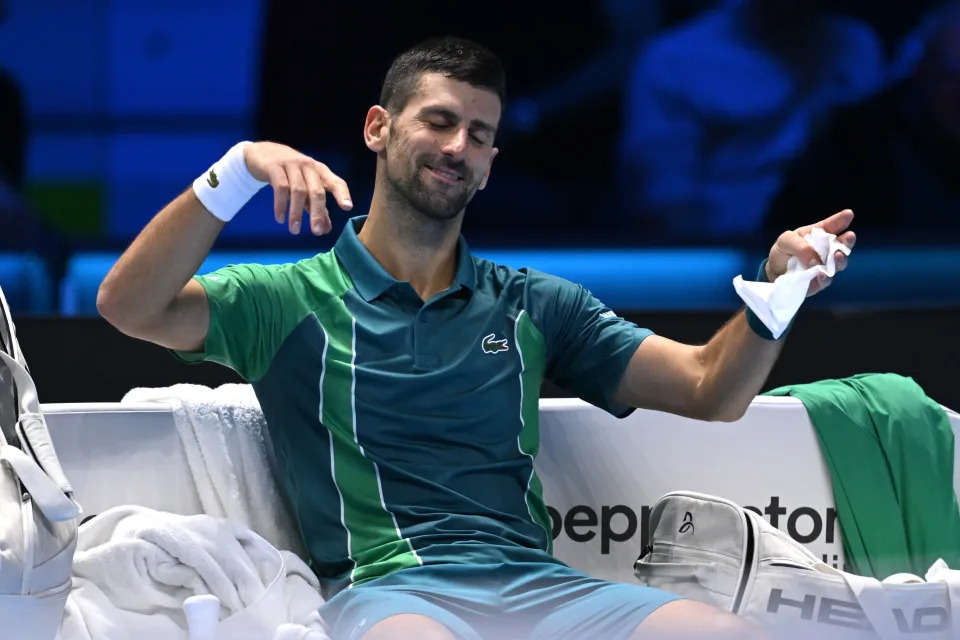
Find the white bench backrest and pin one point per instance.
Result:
(601, 475)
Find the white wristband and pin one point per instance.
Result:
(228, 185)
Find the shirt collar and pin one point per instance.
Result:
(372, 280)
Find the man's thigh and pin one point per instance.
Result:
(691, 620)
(371, 612)
(459, 597)
(570, 604)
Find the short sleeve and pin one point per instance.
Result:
(588, 345)
(246, 318)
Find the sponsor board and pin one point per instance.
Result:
(602, 475)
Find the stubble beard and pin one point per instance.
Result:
(406, 179)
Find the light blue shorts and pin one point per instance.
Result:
(530, 600)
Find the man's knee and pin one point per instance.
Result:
(691, 620)
(408, 626)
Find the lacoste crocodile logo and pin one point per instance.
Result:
(491, 345)
(212, 180)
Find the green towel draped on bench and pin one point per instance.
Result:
(889, 449)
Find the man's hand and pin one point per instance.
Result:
(791, 243)
(299, 180)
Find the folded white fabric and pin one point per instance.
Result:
(135, 567)
(230, 456)
(298, 632)
(776, 303)
(939, 571)
(203, 621)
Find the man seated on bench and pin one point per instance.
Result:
(399, 374)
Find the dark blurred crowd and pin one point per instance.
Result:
(21, 227)
(660, 121)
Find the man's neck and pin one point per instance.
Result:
(411, 247)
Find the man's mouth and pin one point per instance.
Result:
(447, 175)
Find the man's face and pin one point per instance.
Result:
(440, 147)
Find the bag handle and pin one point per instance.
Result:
(15, 350)
(32, 427)
(48, 497)
(8, 340)
(39, 473)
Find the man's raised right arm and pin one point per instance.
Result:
(150, 294)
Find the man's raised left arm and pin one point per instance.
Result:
(717, 381)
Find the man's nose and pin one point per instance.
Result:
(456, 143)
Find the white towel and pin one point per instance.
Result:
(134, 567)
(230, 456)
(776, 303)
(298, 632)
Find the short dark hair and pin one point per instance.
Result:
(456, 58)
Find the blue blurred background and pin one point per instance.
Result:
(651, 149)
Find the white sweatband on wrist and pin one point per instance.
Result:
(228, 185)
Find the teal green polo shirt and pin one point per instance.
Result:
(405, 431)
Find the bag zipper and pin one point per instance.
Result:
(790, 565)
(29, 542)
(747, 565)
(692, 553)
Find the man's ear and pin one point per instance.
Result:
(486, 176)
(376, 129)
